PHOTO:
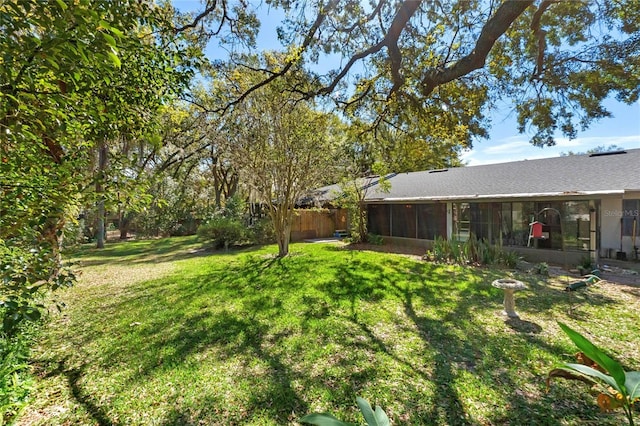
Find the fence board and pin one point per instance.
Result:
(317, 223)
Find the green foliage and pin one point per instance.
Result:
(617, 388)
(473, 251)
(542, 268)
(75, 75)
(282, 145)
(508, 258)
(26, 275)
(262, 232)
(373, 418)
(375, 239)
(222, 231)
(15, 382)
(586, 263)
(557, 61)
(228, 226)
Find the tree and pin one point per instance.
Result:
(282, 146)
(557, 61)
(74, 75)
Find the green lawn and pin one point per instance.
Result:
(157, 332)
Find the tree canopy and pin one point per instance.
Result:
(74, 75)
(556, 61)
(282, 146)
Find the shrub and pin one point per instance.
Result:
(26, 276)
(262, 232)
(473, 251)
(616, 387)
(222, 232)
(15, 382)
(375, 239)
(542, 269)
(511, 258)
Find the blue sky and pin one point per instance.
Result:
(505, 143)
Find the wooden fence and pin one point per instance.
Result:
(317, 223)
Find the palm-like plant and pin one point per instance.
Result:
(618, 388)
(373, 417)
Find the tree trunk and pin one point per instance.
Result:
(283, 241)
(102, 166)
(100, 232)
(362, 222)
(123, 222)
(282, 226)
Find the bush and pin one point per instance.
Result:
(26, 276)
(15, 382)
(542, 268)
(473, 251)
(262, 232)
(222, 232)
(375, 239)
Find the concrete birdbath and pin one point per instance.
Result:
(509, 286)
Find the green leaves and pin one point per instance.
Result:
(323, 419)
(27, 273)
(602, 359)
(373, 418)
(622, 388)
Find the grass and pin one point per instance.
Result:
(159, 333)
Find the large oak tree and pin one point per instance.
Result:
(449, 62)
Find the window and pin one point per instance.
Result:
(501, 224)
(630, 213)
(432, 221)
(461, 221)
(403, 220)
(378, 219)
(576, 222)
(480, 220)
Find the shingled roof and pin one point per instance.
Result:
(609, 173)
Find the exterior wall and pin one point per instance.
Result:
(487, 218)
(599, 239)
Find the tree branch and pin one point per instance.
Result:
(540, 35)
(308, 40)
(390, 41)
(406, 11)
(497, 25)
(369, 18)
(199, 18)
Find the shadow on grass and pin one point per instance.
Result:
(523, 326)
(314, 325)
(136, 252)
(73, 377)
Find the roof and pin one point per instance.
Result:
(572, 175)
(328, 194)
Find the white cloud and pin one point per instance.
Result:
(518, 148)
(509, 147)
(586, 143)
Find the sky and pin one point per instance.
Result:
(504, 143)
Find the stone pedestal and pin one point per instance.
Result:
(509, 286)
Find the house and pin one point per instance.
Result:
(584, 205)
